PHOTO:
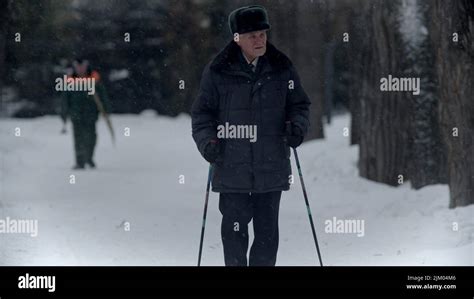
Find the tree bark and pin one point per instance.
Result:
(455, 73)
(4, 13)
(428, 161)
(358, 52)
(383, 123)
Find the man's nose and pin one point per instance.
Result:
(259, 41)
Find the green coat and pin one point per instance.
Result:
(80, 107)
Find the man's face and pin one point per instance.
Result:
(81, 68)
(253, 44)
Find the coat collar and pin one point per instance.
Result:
(228, 59)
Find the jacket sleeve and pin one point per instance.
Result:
(204, 111)
(297, 104)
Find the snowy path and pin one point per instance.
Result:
(138, 182)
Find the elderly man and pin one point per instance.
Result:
(250, 83)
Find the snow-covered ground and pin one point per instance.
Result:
(138, 181)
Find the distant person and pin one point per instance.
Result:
(250, 83)
(81, 107)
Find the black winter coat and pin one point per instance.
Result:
(230, 93)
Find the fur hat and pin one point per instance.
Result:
(248, 18)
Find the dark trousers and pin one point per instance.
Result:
(237, 210)
(85, 139)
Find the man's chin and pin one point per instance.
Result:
(260, 52)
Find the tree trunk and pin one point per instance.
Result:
(358, 53)
(383, 124)
(4, 13)
(455, 72)
(310, 60)
(427, 155)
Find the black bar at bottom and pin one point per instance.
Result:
(223, 282)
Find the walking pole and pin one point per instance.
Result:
(101, 109)
(205, 213)
(307, 205)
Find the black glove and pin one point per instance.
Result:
(294, 135)
(211, 151)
